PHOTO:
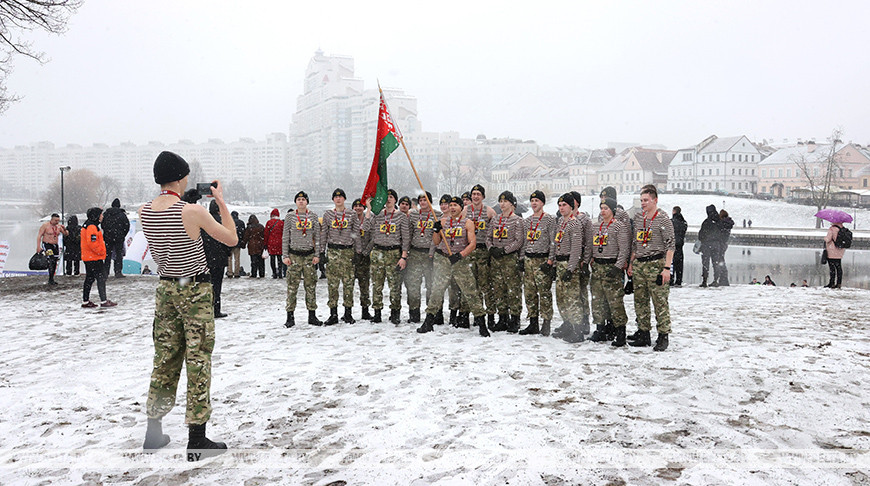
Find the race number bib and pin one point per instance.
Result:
(336, 224)
(454, 232)
(300, 225)
(559, 236)
(481, 225)
(599, 240)
(388, 228)
(424, 225)
(533, 235)
(499, 233)
(643, 236)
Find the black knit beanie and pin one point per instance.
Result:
(169, 167)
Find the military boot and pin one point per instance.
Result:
(413, 315)
(217, 312)
(642, 340)
(453, 322)
(501, 324)
(480, 322)
(154, 436)
(348, 316)
(490, 321)
(619, 339)
(584, 325)
(545, 328)
(661, 342)
(464, 320)
(573, 335)
(561, 330)
(313, 320)
(291, 321)
(637, 334)
(333, 317)
(513, 324)
(600, 335)
(439, 319)
(609, 330)
(199, 446)
(532, 327)
(427, 324)
(365, 314)
(377, 316)
(703, 282)
(395, 315)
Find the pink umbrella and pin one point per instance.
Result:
(834, 215)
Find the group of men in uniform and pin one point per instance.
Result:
(487, 261)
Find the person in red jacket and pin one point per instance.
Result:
(94, 256)
(274, 234)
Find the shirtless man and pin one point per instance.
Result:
(46, 240)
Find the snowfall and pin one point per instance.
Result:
(760, 385)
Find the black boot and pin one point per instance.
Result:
(635, 336)
(513, 323)
(703, 282)
(642, 340)
(661, 342)
(217, 312)
(427, 324)
(490, 320)
(365, 314)
(464, 320)
(395, 316)
(532, 327)
(199, 446)
(545, 328)
(480, 322)
(333, 317)
(414, 315)
(609, 330)
(501, 324)
(348, 316)
(619, 338)
(573, 335)
(154, 436)
(377, 316)
(584, 325)
(560, 331)
(453, 320)
(291, 321)
(599, 336)
(313, 320)
(439, 319)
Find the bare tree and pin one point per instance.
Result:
(18, 17)
(457, 175)
(821, 181)
(107, 190)
(81, 188)
(136, 192)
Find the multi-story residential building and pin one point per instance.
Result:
(635, 167)
(716, 164)
(522, 174)
(782, 174)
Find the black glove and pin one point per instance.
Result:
(566, 277)
(629, 287)
(614, 272)
(496, 252)
(437, 226)
(521, 265)
(323, 258)
(455, 257)
(584, 270)
(546, 267)
(191, 196)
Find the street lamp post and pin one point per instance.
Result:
(62, 170)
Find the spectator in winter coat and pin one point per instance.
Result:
(835, 256)
(710, 236)
(216, 256)
(233, 262)
(93, 254)
(726, 224)
(768, 281)
(72, 246)
(254, 240)
(116, 225)
(680, 228)
(274, 235)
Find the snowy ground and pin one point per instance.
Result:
(760, 386)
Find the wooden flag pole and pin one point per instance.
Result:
(408, 154)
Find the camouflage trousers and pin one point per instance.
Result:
(339, 270)
(362, 275)
(566, 296)
(301, 268)
(538, 285)
(607, 295)
(480, 269)
(384, 268)
(183, 333)
(419, 268)
(461, 273)
(583, 284)
(644, 275)
(506, 284)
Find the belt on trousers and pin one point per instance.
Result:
(388, 248)
(537, 255)
(201, 278)
(336, 246)
(562, 258)
(421, 250)
(481, 246)
(302, 252)
(650, 258)
(605, 261)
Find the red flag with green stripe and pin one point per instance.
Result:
(387, 141)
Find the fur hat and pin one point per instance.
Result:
(170, 167)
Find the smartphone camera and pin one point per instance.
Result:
(204, 188)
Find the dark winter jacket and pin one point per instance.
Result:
(216, 253)
(726, 224)
(680, 228)
(115, 223)
(274, 233)
(72, 248)
(254, 235)
(710, 233)
(240, 229)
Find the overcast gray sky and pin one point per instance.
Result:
(566, 72)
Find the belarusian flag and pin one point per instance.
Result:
(387, 141)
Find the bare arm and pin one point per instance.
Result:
(39, 237)
(472, 238)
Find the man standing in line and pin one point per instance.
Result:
(651, 256)
(568, 252)
(362, 260)
(452, 288)
(504, 241)
(611, 249)
(301, 250)
(116, 225)
(47, 241)
(480, 214)
(340, 234)
(422, 222)
(183, 315)
(389, 245)
(540, 231)
(680, 229)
